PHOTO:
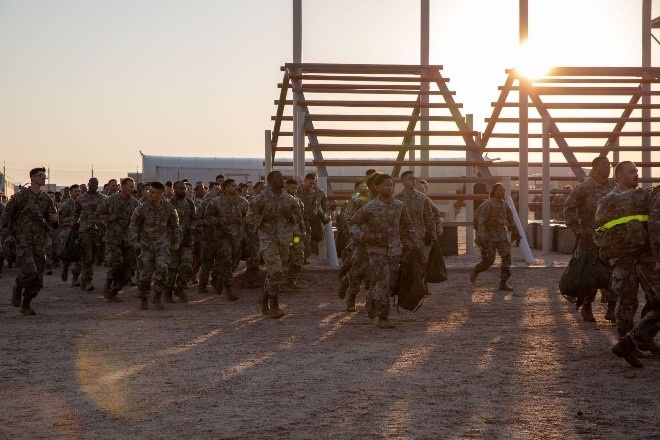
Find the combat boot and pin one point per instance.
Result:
(16, 292)
(217, 287)
(343, 286)
(350, 303)
(113, 296)
(83, 284)
(473, 275)
(587, 313)
(263, 301)
(181, 294)
(144, 303)
(231, 296)
(201, 288)
(168, 297)
(275, 311)
(65, 273)
(371, 308)
(25, 307)
(75, 281)
(49, 270)
(107, 287)
(384, 323)
(505, 286)
(611, 311)
(625, 348)
(157, 303)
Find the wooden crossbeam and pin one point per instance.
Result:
(372, 68)
(371, 91)
(610, 91)
(589, 105)
(583, 134)
(446, 163)
(386, 147)
(384, 133)
(370, 78)
(581, 120)
(280, 111)
(379, 104)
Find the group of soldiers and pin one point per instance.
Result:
(620, 222)
(173, 236)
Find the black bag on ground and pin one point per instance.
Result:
(69, 250)
(436, 272)
(585, 271)
(410, 287)
(317, 229)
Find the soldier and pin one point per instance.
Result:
(198, 198)
(67, 221)
(323, 208)
(169, 191)
(580, 215)
(623, 240)
(115, 212)
(297, 251)
(154, 232)
(421, 214)
(423, 187)
(209, 246)
(384, 226)
(180, 266)
(275, 213)
(24, 223)
(89, 231)
(357, 269)
(226, 213)
(493, 217)
(252, 243)
(307, 194)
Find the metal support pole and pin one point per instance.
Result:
(268, 162)
(297, 31)
(614, 145)
(646, 89)
(524, 244)
(523, 182)
(469, 205)
(299, 143)
(545, 176)
(424, 86)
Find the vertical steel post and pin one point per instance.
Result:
(424, 86)
(469, 204)
(545, 176)
(268, 162)
(299, 144)
(646, 89)
(523, 182)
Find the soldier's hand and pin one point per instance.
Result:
(10, 240)
(54, 218)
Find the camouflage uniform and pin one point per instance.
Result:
(251, 241)
(156, 229)
(209, 246)
(115, 213)
(297, 251)
(27, 218)
(491, 220)
(580, 212)
(627, 248)
(227, 215)
(275, 218)
(198, 226)
(88, 232)
(322, 200)
(355, 260)
(67, 220)
(180, 266)
(392, 228)
(310, 210)
(423, 220)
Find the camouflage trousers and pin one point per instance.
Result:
(75, 267)
(227, 259)
(52, 247)
(31, 260)
(359, 270)
(586, 244)
(252, 271)
(207, 267)
(488, 253)
(88, 242)
(625, 283)
(180, 268)
(307, 238)
(121, 263)
(153, 263)
(649, 325)
(384, 270)
(297, 252)
(276, 258)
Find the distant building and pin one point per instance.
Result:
(6, 185)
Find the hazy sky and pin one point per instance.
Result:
(92, 82)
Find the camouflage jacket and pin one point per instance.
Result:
(227, 216)
(654, 222)
(85, 211)
(207, 230)
(186, 211)
(580, 205)
(67, 214)
(492, 219)
(198, 221)
(300, 222)
(389, 222)
(629, 238)
(115, 213)
(274, 216)
(322, 200)
(421, 214)
(27, 217)
(353, 206)
(155, 227)
(310, 203)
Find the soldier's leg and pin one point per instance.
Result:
(252, 271)
(504, 249)
(358, 272)
(185, 272)
(161, 265)
(625, 282)
(115, 259)
(49, 254)
(296, 262)
(225, 262)
(381, 285)
(275, 257)
(86, 243)
(487, 259)
(146, 266)
(649, 326)
(29, 279)
(307, 239)
(172, 274)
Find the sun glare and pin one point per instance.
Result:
(534, 59)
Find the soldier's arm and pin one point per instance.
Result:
(212, 214)
(102, 213)
(408, 236)
(51, 217)
(77, 210)
(654, 224)
(355, 223)
(5, 220)
(429, 220)
(174, 228)
(482, 215)
(515, 235)
(323, 202)
(571, 217)
(135, 226)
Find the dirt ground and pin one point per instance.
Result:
(473, 362)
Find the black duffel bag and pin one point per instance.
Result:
(585, 271)
(410, 286)
(436, 272)
(69, 250)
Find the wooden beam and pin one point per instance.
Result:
(497, 109)
(378, 104)
(370, 78)
(383, 133)
(280, 111)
